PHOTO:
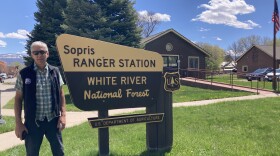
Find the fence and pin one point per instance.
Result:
(231, 78)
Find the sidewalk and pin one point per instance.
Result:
(76, 118)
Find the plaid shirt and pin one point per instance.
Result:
(43, 93)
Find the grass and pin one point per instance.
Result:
(186, 94)
(9, 125)
(248, 127)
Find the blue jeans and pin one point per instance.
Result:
(35, 136)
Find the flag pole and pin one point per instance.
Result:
(274, 48)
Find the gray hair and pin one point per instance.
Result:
(39, 43)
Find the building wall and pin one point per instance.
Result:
(3, 67)
(180, 47)
(254, 59)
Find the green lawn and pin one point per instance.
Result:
(186, 94)
(9, 125)
(230, 128)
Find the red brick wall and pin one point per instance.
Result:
(254, 59)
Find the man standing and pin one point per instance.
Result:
(39, 89)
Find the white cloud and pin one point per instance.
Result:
(203, 29)
(22, 53)
(20, 34)
(161, 17)
(218, 38)
(225, 12)
(2, 35)
(2, 44)
(23, 43)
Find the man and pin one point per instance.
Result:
(39, 89)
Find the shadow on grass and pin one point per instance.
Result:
(68, 99)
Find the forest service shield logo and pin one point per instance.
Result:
(171, 81)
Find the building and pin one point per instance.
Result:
(178, 52)
(3, 67)
(227, 67)
(257, 57)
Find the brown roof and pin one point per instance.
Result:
(154, 37)
(269, 50)
(266, 49)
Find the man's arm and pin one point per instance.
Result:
(62, 119)
(20, 127)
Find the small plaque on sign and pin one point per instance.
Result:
(171, 81)
(125, 119)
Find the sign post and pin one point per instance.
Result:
(103, 135)
(160, 135)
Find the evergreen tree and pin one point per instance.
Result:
(122, 21)
(84, 18)
(49, 20)
(108, 20)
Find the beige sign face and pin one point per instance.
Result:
(102, 75)
(83, 54)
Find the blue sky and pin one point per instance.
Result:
(217, 22)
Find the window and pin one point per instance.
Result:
(193, 62)
(244, 68)
(170, 61)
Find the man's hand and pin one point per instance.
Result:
(20, 127)
(61, 122)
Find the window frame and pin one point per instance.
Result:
(193, 57)
(245, 66)
(168, 64)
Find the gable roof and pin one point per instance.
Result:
(158, 35)
(266, 49)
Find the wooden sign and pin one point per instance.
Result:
(102, 75)
(125, 119)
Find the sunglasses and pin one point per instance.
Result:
(42, 52)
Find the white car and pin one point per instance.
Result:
(269, 76)
(4, 75)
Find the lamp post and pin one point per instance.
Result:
(2, 121)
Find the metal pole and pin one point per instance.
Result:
(211, 77)
(2, 121)
(231, 80)
(257, 87)
(274, 46)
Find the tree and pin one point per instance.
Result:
(84, 18)
(147, 22)
(121, 19)
(108, 20)
(216, 57)
(18, 65)
(49, 20)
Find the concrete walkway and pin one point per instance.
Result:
(9, 140)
